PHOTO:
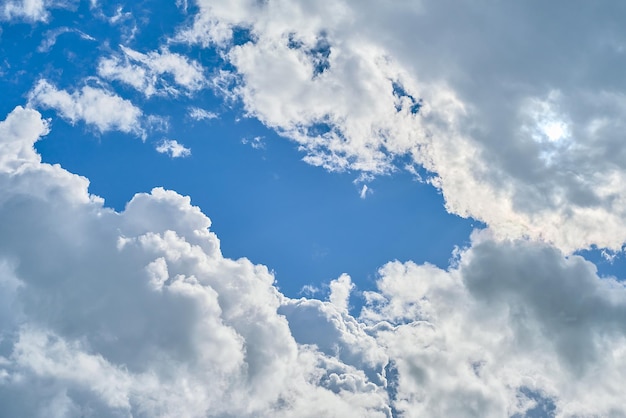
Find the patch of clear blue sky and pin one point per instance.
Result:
(308, 225)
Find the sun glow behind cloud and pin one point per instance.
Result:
(139, 312)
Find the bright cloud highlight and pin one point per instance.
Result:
(95, 106)
(137, 312)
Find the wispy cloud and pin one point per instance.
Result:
(256, 142)
(52, 35)
(198, 113)
(153, 73)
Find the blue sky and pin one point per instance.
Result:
(415, 209)
(306, 224)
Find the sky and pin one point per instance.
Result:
(292, 208)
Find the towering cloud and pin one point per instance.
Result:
(138, 313)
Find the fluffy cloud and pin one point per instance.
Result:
(137, 313)
(147, 72)
(173, 148)
(33, 10)
(513, 327)
(518, 123)
(97, 107)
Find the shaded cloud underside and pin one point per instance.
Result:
(138, 313)
(519, 123)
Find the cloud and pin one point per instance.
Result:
(511, 319)
(197, 113)
(173, 148)
(96, 107)
(52, 35)
(153, 73)
(525, 141)
(138, 313)
(30, 10)
(256, 142)
(340, 292)
(365, 191)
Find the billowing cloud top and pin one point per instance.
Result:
(137, 313)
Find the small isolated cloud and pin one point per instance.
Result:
(256, 142)
(96, 107)
(153, 73)
(365, 190)
(173, 148)
(197, 113)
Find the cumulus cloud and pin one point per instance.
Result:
(138, 313)
(518, 124)
(100, 108)
(173, 148)
(514, 326)
(153, 73)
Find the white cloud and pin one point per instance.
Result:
(365, 191)
(526, 141)
(32, 10)
(97, 107)
(120, 16)
(149, 73)
(510, 316)
(197, 113)
(256, 142)
(52, 35)
(138, 313)
(173, 148)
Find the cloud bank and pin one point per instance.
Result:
(518, 123)
(137, 313)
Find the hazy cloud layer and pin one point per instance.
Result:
(137, 313)
(519, 121)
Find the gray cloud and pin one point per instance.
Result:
(517, 109)
(137, 313)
